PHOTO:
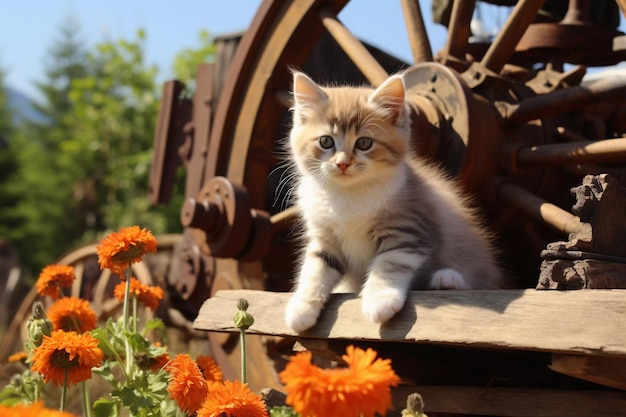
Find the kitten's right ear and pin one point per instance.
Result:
(306, 93)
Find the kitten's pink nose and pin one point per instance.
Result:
(343, 165)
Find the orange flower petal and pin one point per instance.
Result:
(54, 277)
(361, 389)
(187, 385)
(18, 357)
(78, 353)
(32, 410)
(71, 313)
(146, 294)
(119, 250)
(232, 399)
(210, 369)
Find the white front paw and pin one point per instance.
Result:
(302, 314)
(380, 306)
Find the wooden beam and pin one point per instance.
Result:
(515, 402)
(601, 370)
(578, 322)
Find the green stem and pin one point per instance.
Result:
(135, 314)
(242, 339)
(126, 298)
(129, 351)
(86, 400)
(64, 390)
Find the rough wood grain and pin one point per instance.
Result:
(515, 402)
(580, 322)
(602, 370)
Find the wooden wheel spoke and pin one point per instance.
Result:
(79, 269)
(609, 150)
(416, 31)
(537, 208)
(99, 291)
(459, 28)
(503, 46)
(353, 47)
(572, 98)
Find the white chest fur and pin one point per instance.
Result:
(350, 217)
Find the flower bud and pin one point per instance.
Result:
(243, 319)
(38, 325)
(414, 406)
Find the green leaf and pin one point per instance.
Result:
(283, 411)
(138, 342)
(107, 373)
(105, 408)
(133, 399)
(155, 324)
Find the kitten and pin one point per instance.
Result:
(376, 219)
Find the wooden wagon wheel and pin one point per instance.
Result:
(91, 284)
(516, 137)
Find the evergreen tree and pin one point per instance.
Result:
(10, 218)
(47, 175)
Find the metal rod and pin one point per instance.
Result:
(353, 47)
(568, 135)
(537, 208)
(561, 101)
(609, 150)
(416, 30)
(503, 46)
(459, 28)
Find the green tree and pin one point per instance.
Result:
(10, 217)
(113, 117)
(85, 168)
(47, 177)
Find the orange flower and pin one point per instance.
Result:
(187, 385)
(18, 357)
(71, 313)
(159, 362)
(210, 369)
(33, 410)
(146, 294)
(120, 249)
(233, 399)
(62, 350)
(54, 277)
(361, 389)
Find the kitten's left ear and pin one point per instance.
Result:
(306, 93)
(390, 96)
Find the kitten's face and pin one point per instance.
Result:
(349, 135)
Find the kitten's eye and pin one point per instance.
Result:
(363, 143)
(326, 142)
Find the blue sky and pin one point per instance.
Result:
(28, 27)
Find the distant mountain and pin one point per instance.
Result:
(22, 106)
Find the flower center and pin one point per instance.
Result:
(131, 253)
(61, 359)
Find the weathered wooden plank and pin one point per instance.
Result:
(602, 370)
(517, 402)
(580, 322)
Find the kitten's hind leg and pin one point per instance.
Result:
(319, 273)
(448, 279)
